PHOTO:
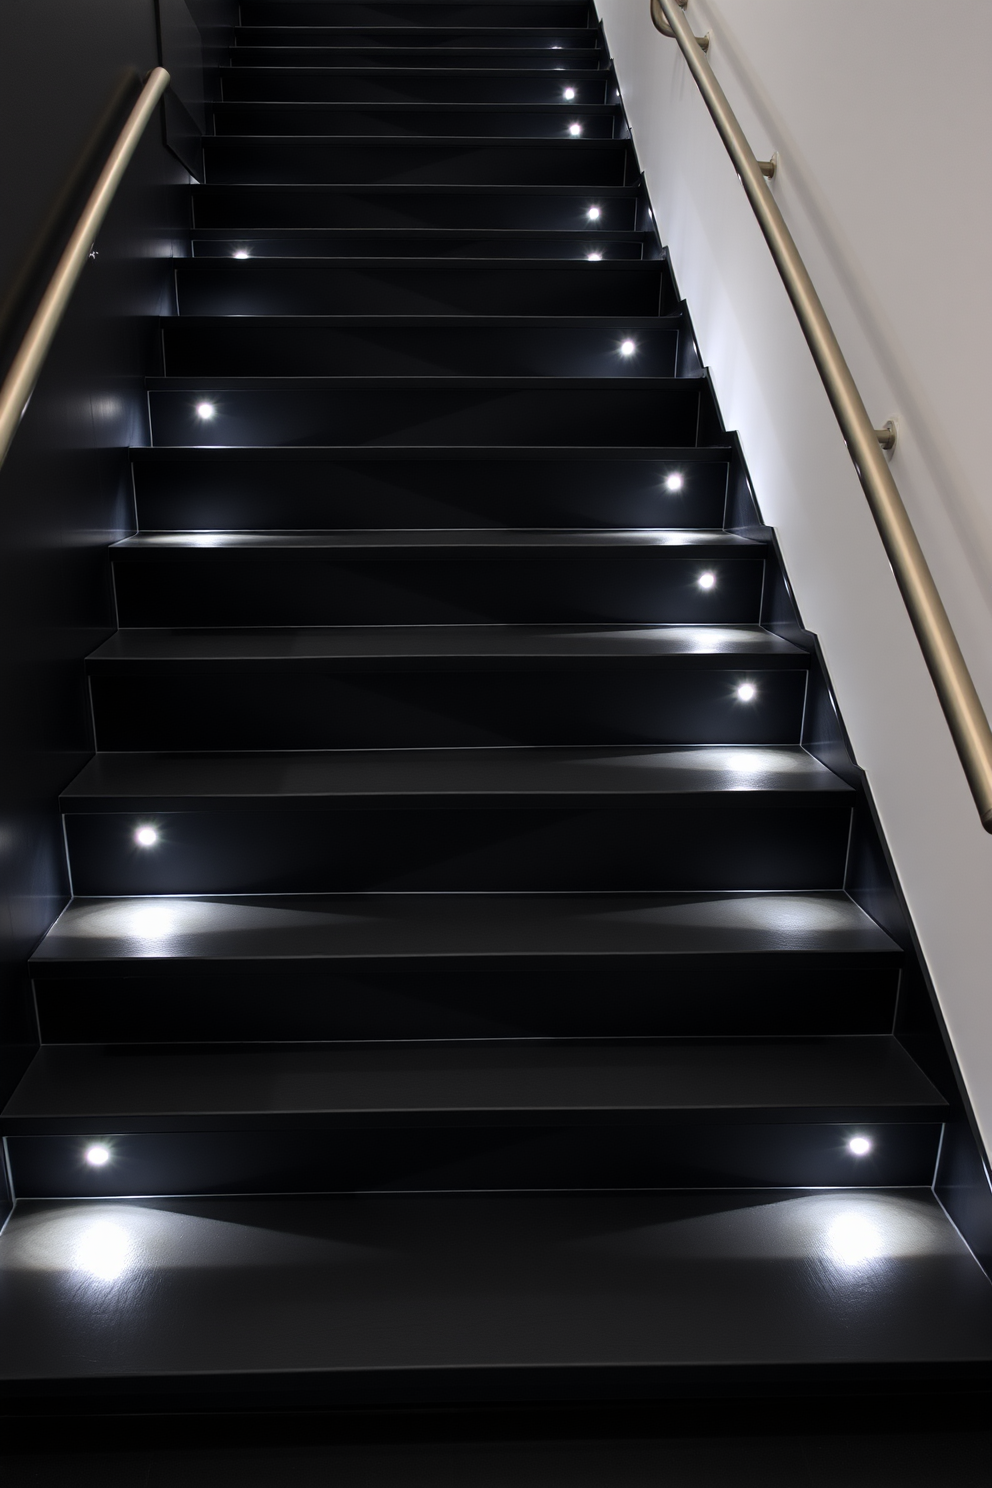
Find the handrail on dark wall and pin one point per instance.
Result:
(953, 683)
(26, 367)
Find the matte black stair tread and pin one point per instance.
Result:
(491, 1296)
(292, 928)
(418, 542)
(475, 644)
(117, 782)
(115, 1087)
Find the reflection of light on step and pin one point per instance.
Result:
(103, 1250)
(98, 1155)
(860, 1146)
(853, 1239)
(152, 921)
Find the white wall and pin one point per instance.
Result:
(881, 114)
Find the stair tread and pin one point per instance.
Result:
(413, 142)
(116, 1086)
(155, 454)
(385, 926)
(471, 643)
(111, 781)
(489, 1294)
(460, 541)
(402, 189)
(423, 106)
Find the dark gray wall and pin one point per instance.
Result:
(69, 70)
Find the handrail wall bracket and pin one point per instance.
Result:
(952, 681)
(662, 25)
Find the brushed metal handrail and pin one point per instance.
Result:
(26, 367)
(955, 689)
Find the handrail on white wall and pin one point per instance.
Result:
(955, 689)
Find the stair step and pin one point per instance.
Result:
(469, 821)
(469, 966)
(286, 929)
(371, 207)
(423, 120)
(377, 346)
(451, 777)
(84, 1088)
(450, 162)
(575, 14)
(487, 647)
(436, 578)
(431, 411)
(224, 489)
(429, 85)
(416, 37)
(420, 287)
(513, 58)
(445, 686)
(489, 1298)
(422, 243)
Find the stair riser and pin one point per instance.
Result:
(571, 13)
(223, 588)
(581, 996)
(314, 850)
(234, 119)
(257, 287)
(335, 85)
(321, 206)
(319, 706)
(423, 416)
(472, 36)
(565, 162)
(536, 59)
(538, 1157)
(317, 244)
(226, 349)
(212, 491)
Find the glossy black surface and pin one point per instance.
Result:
(472, 836)
(187, 490)
(538, 1153)
(470, 1296)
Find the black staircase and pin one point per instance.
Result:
(466, 993)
